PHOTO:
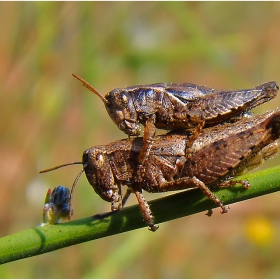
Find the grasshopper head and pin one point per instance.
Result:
(121, 109)
(100, 174)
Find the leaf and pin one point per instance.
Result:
(40, 240)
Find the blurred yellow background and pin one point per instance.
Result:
(48, 118)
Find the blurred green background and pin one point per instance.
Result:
(48, 118)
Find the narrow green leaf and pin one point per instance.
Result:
(39, 240)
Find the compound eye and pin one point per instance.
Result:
(99, 160)
(124, 97)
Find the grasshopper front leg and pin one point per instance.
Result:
(148, 139)
(196, 131)
(144, 206)
(146, 211)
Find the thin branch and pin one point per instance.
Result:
(40, 240)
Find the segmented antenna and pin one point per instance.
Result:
(59, 166)
(72, 191)
(91, 88)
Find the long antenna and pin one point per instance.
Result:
(91, 88)
(72, 191)
(59, 166)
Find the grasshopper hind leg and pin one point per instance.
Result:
(187, 182)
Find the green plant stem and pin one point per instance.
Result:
(40, 240)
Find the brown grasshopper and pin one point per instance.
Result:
(176, 106)
(219, 154)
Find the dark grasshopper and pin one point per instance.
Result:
(177, 106)
(219, 154)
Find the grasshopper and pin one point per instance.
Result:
(56, 206)
(219, 154)
(177, 106)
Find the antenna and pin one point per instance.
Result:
(91, 88)
(72, 191)
(59, 166)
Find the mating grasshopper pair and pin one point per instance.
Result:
(177, 160)
(177, 106)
